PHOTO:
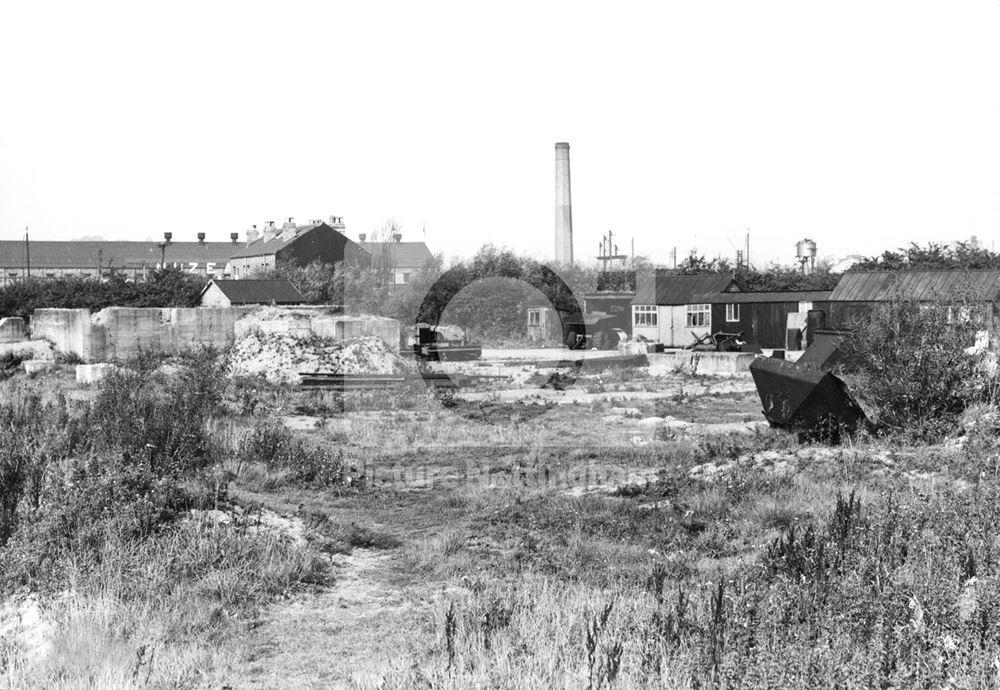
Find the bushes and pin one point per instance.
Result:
(169, 287)
(276, 448)
(910, 371)
(120, 467)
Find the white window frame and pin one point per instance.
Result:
(699, 316)
(644, 316)
(534, 317)
(733, 312)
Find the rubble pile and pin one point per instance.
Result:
(283, 357)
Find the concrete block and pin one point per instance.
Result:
(92, 373)
(13, 330)
(27, 349)
(37, 366)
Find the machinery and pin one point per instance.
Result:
(444, 344)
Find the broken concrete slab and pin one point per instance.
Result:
(37, 366)
(92, 373)
(13, 330)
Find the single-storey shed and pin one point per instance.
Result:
(677, 310)
(762, 317)
(858, 292)
(235, 293)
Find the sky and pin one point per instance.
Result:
(863, 125)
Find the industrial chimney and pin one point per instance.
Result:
(564, 207)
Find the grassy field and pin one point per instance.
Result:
(521, 541)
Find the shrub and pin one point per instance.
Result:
(277, 448)
(132, 460)
(909, 368)
(170, 287)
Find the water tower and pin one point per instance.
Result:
(805, 252)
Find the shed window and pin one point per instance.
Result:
(732, 312)
(534, 317)
(699, 315)
(644, 315)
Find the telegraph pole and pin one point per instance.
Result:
(27, 251)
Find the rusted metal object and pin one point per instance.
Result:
(806, 395)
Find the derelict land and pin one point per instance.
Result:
(543, 527)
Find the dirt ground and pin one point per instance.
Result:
(525, 432)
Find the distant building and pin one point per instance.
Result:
(859, 292)
(770, 319)
(611, 303)
(235, 293)
(56, 259)
(299, 244)
(676, 310)
(398, 262)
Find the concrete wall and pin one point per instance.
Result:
(122, 332)
(693, 362)
(13, 330)
(69, 330)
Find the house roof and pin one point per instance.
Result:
(113, 254)
(667, 289)
(767, 297)
(257, 291)
(881, 286)
(399, 254)
(267, 247)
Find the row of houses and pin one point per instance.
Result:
(318, 240)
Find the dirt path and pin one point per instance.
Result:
(329, 639)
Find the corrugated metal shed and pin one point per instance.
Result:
(258, 291)
(881, 286)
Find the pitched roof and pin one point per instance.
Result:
(781, 296)
(258, 291)
(110, 254)
(881, 286)
(399, 254)
(669, 289)
(266, 247)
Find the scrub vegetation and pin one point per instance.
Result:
(188, 530)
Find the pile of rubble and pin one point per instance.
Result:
(284, 357)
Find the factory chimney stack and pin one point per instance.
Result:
(564, 207)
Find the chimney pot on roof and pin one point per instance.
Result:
(234, 236)
(201, 238)
(362, 236)
(397, 237)
(167, 236)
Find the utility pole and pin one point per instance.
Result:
(27, 251)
